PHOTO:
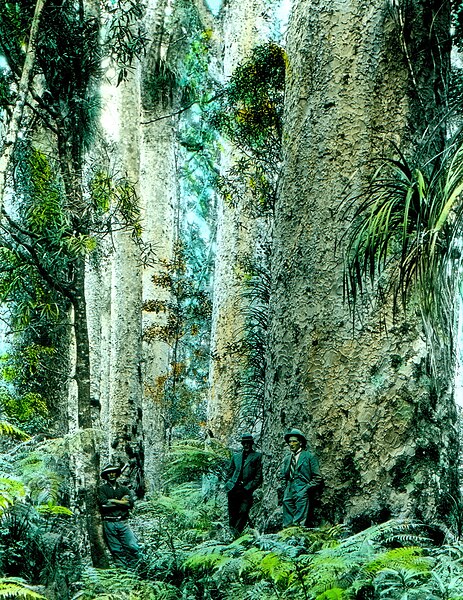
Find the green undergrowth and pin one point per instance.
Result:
(191, 554)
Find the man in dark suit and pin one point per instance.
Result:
(299, 476)
(244, 475)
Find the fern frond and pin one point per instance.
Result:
(205, 561)
(410, 558)
(388, 532)
(276, 568)
(118, 584)
(9, 430)
(11, 490)
(189, 460)
(333, 594)
(54, 509)
(15, 588)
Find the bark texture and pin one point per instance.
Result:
(158, 193)
(239, 237)
(125, 409)
(358, 76)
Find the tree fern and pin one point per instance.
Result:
(190, 459)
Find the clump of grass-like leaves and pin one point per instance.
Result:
(404, 239)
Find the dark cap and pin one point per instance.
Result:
(296, 433)
(247, 437)
(110, 469)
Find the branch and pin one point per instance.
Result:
(180, 111)
(23, 89)
(17, 227)
(174, 114)
(33, 258)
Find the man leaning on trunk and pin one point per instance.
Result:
(115, 501)
(299, 477)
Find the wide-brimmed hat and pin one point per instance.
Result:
(296, 433)
(110, 469)
(247, 437)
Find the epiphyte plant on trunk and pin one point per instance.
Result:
(405, 234)
(249, 112)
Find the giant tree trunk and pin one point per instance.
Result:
(384, 434)
(240, 238)
(159, 203)
(125, 341)
(158, 197)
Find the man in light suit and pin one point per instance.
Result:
(299, 476)
(244, 475)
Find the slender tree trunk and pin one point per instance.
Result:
(88, 462)
(89, 444)
(23, 90)
(82, 369)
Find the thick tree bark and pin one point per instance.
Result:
(125, 405)
(384, 435)
(240, 238)
(159, 204)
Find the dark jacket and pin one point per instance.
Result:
(107, 492)
(307, 474)
(252, 471)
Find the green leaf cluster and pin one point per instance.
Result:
(186, 329)
(37, 534)
(14, 587)
(403, 242)
(124, 37)
(25, 407)
(250, 106)
(249, 112)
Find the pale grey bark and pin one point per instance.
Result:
(98, 296)
(385, 439)
(239, 236)
(14, 124)
(126, 292)
(159, 202)
(158, 197)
